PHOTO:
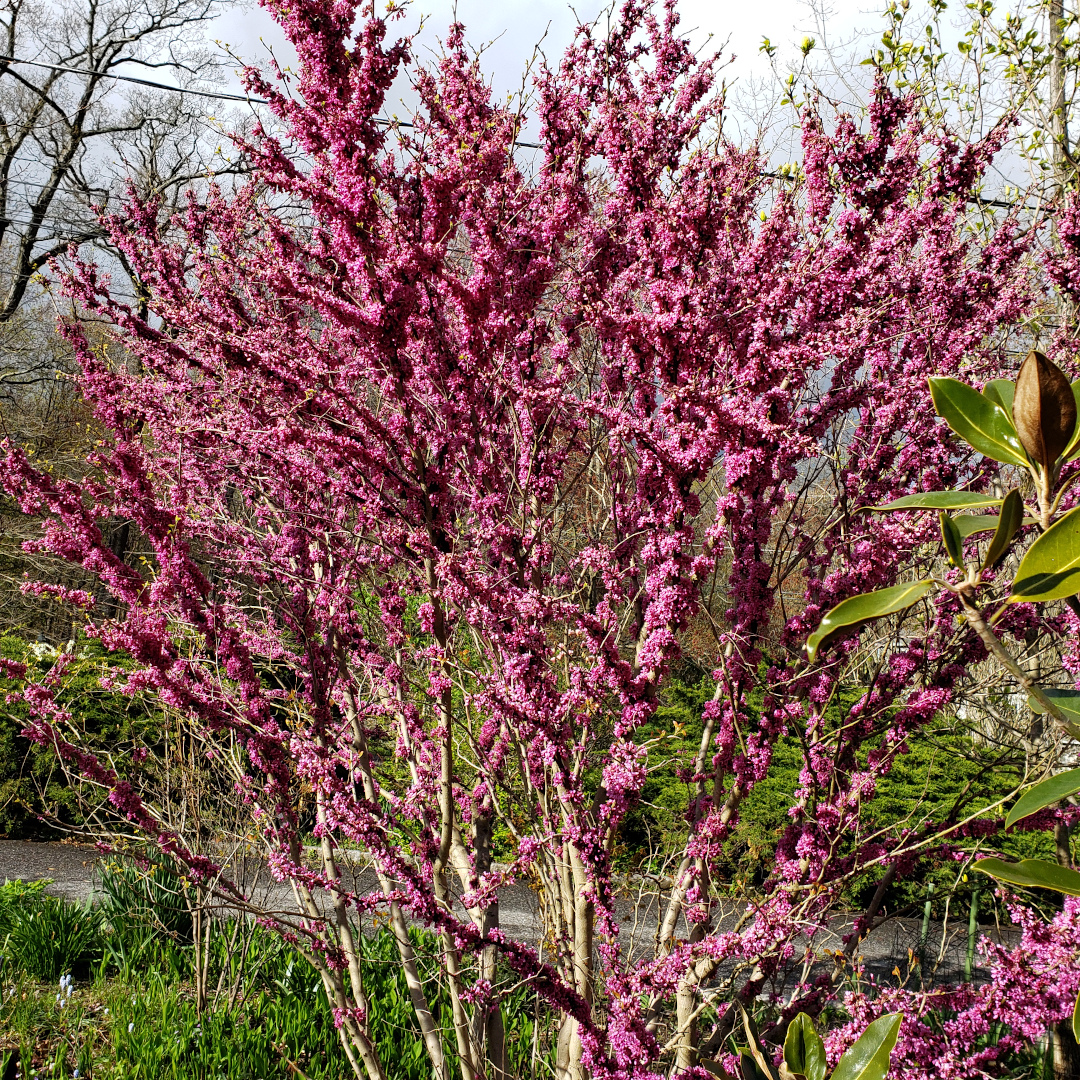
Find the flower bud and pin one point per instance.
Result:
(1044, 409)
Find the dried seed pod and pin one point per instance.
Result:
(1044, 409)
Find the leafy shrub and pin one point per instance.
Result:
(15, 893)
(942, 770)
(152, 893)
(48, 936)
(32, 786)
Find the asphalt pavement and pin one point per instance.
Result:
(74, 873)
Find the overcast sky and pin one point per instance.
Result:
(513, 27)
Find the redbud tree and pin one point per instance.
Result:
(435, 480)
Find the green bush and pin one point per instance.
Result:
(944, 771)
(32, 785)
(14, 894)
(48, 937)
(147, 1024)
(149, 892)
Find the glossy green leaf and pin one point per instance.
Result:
(868, 1059)
(970, 524)
(756, 1051)
(863, 608)
(804, 1052)
(1009, 521)
(1049, 791)
(749, 1066)
(1076, 1019)
(979, 421)
(951, 538)
(940, 500)
(1050, 570)
(1074, 446)
(716, 1069)
(1068, 701)
(1032, 874)
(1001, 391)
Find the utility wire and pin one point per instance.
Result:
(134, 79)
(216, 94)
(975, 200)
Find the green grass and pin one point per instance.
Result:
(132, 1010)
(109, 1028)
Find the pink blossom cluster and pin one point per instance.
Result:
(971, 1030)
(436, 485)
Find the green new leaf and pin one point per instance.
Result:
(951, 538)
(863, 608)
(868, 1059)
(749, 1067)
(804, 1052)
(1074, 443)
(978, 420)
(756, 1051)
(1068, 701)
(1001, 391)
(1032, 874)
(1049, 791)
(1010, 519)
(1076, 1019)
(1051, 568)
(970, 524)
(940, 500)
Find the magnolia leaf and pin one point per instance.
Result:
(1010, 519)
(868, 1059)
(980, 422)
(1001, 391)
(1049, 791)
(749, 1066)
(1074, 444)
(1068, 701)
(1076, 1019)
(1032, 874)
(953, 541)
(756, 1050)
(940, 500)
(804, 1052)
(970, 524)
(716, 1069)
(862, 608)
(1050, 570)
(1044, 409)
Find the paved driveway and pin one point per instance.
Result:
(72, 870)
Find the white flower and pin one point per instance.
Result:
(131, 1027)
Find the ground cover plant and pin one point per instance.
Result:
(438, 481)
(104, 1016)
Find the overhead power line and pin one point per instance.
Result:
(222, 95)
